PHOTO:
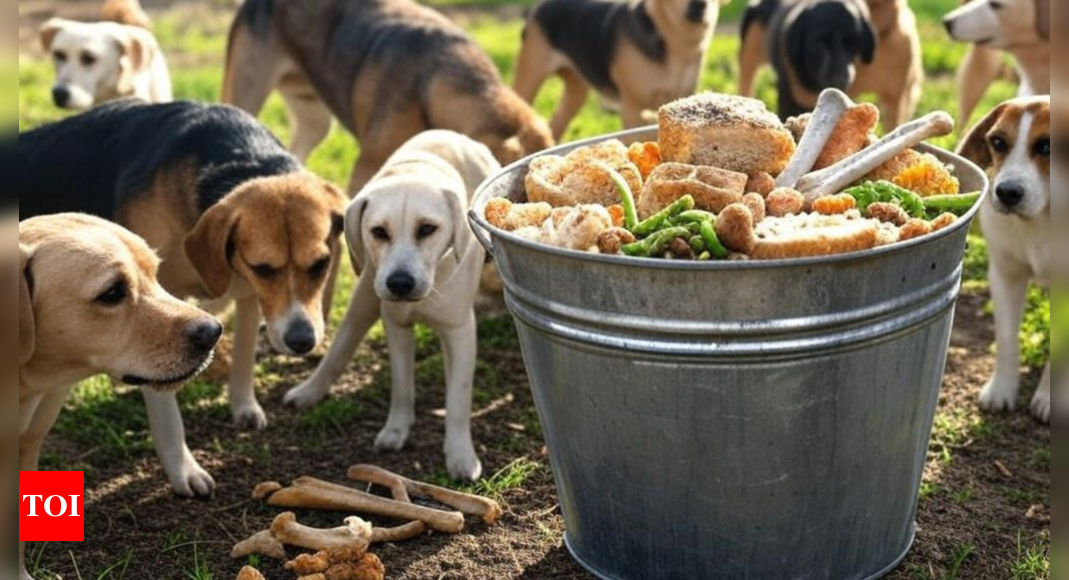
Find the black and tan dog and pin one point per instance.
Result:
(857, 46)
(386, 69)
(637, 55)
(231, 213)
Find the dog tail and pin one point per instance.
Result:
(128, 12)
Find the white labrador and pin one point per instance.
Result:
(409, 236)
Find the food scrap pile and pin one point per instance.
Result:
(728, 181)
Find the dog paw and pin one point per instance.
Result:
(463, 463)
(999, 396)
(1041, 407)
(250, 416)
(190, 479)
(304, 396)
(392, 438)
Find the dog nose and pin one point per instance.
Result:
(1010, 194)
(203, 337)
(401, 284)
(300, 337)
(61, 96)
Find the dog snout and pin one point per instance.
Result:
(300, 337)
(61, 96)
(1010, 194)
(401, 284)
(696, 9)
(949, 24)
(204, 336)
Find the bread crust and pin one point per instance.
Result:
(713, 189)
(811, 236)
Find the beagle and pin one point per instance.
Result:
(103, 61)
(1013, 143)
(419, 263)
(90, 303)
(232, 214)
(1020, 28)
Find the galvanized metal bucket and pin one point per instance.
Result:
(742, 420)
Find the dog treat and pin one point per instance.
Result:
(713, 189)
(888, 213)
(757, 206)
(309, 493)
(944, 221)
(613, 239)
(811, 235)
(250, 573)
(580, 177)
(835, 204)
(354, 535)
(508, 216)
(733, 133)
(265, 490)
(834, 179)
(263, 543)
(854, 132)
(645, 156)
(831, 107)
(915, 228)
(488, 510)
(921, 173)
(735, 228)
(338, 565)
(785, 201)
(761, 184)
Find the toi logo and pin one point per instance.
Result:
(52, 506)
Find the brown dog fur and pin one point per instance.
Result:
(127, 12)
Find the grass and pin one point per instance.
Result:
(1033, 563)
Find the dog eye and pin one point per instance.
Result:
(999, 145)
(425, 231)
(88, 59)
(1043, 148)
(113, 296)
(319, 269)
(264, 271)
(381, 234)
(60, 57)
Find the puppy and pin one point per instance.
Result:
(418, 261)
(1020, 28)
(232, 214)
(857, 46)
(104, 61)
(1013, 143)
(90, 303)
(637, 55)
(385, 69)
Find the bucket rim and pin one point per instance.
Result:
(483, 195)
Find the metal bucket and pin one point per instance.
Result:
(742, 420)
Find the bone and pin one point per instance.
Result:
(831, 107)
(265, 490)
(834, 179)
(262, 543)
(355, 535)
(310, 493)
(472, 505)
(409, 531)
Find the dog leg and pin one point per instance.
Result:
(1009, 290)
(979, 69)
(460, 347)
(1041, 402)
(364, 311)
(751, 57)
(253, 68)
(246, 411)
(30, 444)
(575, 93)
(402, 344)
(187, 477)
(533, 64)
(309, 117)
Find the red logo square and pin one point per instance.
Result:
(52, 506)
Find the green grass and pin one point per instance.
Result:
(1033, 562)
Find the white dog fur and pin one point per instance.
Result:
(409, 236)
(103, 61)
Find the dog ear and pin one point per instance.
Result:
(354, 230)
(48, 32)
(210, 248)
(338, 202)
(974, 146)
(462, 235)
(27, 321)
(136, 59)
(1043, 18)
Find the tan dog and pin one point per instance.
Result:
(104, 61)
(1013, 143)
(638, 56)
(385, 69)
(807, 62)
(1020, 28)
(89, 303)
(419, 263)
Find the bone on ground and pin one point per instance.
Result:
(310, 493)
(834, 179)
(355, 535)
(472, 505)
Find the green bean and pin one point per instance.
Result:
(658, 220)
(697, 243)
(712, 241)
(705, 257)
(627, 198)
(958, 205)
(656, 244)
(694, 216)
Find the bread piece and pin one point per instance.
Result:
(713, 189)
(581, 177)
(733, 133)
(811, 235)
